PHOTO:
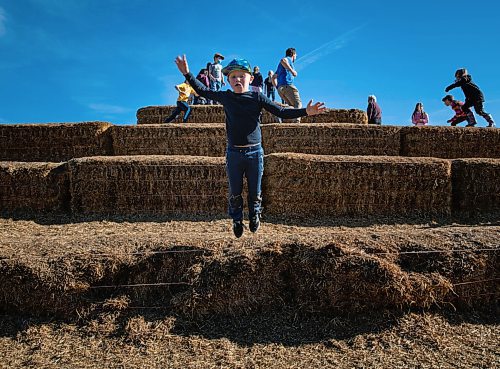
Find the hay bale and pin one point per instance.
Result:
(33, 187)
(215, 114)
(147, 185)
(53, 142)
(450, 142)
(170, 139)
(476, 186)
(332, 139)
(317, 185)
(199, 114)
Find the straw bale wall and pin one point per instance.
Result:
(450, 142)
(54, 142)
(315, 185)
(476, 185)
(331, 139)
(215, 114)
(33, 188)
(130, 185)
(170, 139)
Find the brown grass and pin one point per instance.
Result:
(33, 187)
(450, 142)
(476, 185)
(54, 142)
(320, 185)
(215, 114)
(170, 139)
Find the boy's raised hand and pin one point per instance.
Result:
(182, 64)
(315, 109)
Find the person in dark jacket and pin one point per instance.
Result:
(258, 82)
(374, 112)
(473, 95)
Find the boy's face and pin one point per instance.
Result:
(447, 102)
(239, 81)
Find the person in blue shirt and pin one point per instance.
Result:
(285, 75)
(244, 154)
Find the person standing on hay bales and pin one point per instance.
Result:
(460, 115)
(215, 73)
(285, 75)
(244, 154)
(373, 111)
(269, 84)
(185, 90)
(473, 95)
(419, 117)
(257, 83)
(203, 78)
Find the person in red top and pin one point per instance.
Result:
(460, 116)
(373, 111)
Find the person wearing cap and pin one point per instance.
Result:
(244, 154)
(215, 73)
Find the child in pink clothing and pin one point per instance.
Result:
(419, 116)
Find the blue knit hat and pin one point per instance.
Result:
(237, 64)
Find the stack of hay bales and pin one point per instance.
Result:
(476, 185)
(33, 188)
(450, 142)
(215, 114)
(317, 185)
(54, 142)
(331, 139)
(170, 139)
(148, 185)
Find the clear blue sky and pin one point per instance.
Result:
(80, 60)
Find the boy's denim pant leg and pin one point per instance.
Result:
(248, 162)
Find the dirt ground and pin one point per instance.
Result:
(132, 336)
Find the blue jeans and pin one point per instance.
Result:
(248, 162)
(271, 94)
(181, 106)
(214, 86)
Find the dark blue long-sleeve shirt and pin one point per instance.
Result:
(243, 112)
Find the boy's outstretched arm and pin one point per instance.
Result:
(291, 113)
(200, 88)
(453, 85)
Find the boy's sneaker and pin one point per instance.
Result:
(491, 125)
(254, 223)
(238, 228)
(471, 125)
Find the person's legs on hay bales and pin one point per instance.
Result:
(290, 94)
(248, 162)
(182, 106)
(478, 107)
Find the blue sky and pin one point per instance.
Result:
(80, 60)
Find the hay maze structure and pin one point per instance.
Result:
(99, 220)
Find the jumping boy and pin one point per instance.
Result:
(473, 95)
(244, 154)
(460, 115)
(185, 91)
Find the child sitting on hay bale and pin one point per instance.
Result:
(473, 95)
(185, 91)
(244, 154)
(460, 115)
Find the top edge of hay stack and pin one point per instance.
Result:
(215, 114)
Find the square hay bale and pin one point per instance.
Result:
(354, 116)
(170, 139)
(476, 185)
(199, 114)
(215, 114)
(53, 142)
(320, 185)
(148, 185)
(332, 139)
(450, 142)
(33, 187)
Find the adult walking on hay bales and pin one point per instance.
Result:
(244, 154)
(285, 75)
